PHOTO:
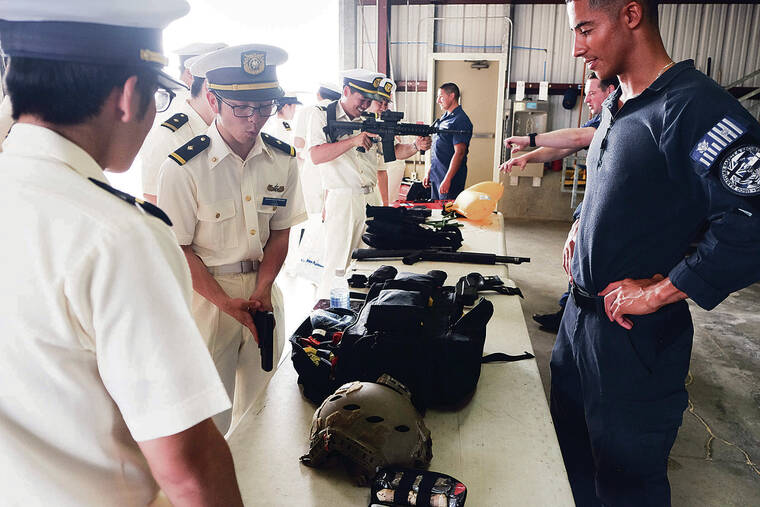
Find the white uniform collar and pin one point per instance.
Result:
(27, 140)
(260, 147)
(219, 148)
(197, 123)
(341, 113)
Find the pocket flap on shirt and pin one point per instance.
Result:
(217, 211)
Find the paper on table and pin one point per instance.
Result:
(543, 90)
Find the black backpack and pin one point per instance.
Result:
(413, 329)
(410, 327)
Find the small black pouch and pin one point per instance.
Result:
(421, 488)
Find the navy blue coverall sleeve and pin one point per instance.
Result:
(720, 142)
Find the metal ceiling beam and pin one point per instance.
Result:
(537, 2)
(383, 36)
(745, 92)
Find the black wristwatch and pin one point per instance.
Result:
(532, 139)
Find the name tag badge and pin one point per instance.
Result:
(275, 201)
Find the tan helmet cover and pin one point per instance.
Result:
(370, 425)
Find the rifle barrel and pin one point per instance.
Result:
(412, 256)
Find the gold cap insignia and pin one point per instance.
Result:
(147, 55)
(253, 62)
(376, 82)
(388, 87)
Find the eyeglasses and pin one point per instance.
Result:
(164, 99)
(264, 111)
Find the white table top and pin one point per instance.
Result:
(501, 445)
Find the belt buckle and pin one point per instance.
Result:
(575, 292)
(579, 295)
(585, 300)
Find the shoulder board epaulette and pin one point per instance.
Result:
(175, 122)
(190, 149)
(276, 143)
(322, 108)
(286, 125)
(149, 208)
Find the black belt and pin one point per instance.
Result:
(586, 301)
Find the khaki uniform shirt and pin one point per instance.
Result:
(225, 206)
(163, 140)
(99, 349)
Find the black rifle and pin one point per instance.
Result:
(264, 322)
(388, 127)
(412, 256)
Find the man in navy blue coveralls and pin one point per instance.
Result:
(563, 142)
(675, 160)
(448, 162)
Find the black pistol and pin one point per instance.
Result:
(468, 288)
(264, 322)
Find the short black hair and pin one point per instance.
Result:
(197, 87)
(68, 93)
(605, 83)
(450, 88)
(648, 6)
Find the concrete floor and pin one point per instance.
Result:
(716, 457)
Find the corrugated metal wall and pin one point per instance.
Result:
(542, 43)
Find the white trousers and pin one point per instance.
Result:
(232, 347)
(311, 186)
(395, 172)
(344, 225)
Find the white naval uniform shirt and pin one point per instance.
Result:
(225, 206)
(311, 181)
(162, 140)
(181, 96)
(303, 117)
(353, 169)
(281, 129)
(98, 348)
(6, 118)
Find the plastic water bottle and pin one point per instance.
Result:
(339, 290)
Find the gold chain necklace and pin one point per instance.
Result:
(665, 68)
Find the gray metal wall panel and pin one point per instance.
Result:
(495, 26)
(366, 25)
(729, 34)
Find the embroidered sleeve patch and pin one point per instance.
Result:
(740, 170)
(717, 139)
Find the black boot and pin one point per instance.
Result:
(549, 321)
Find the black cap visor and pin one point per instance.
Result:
(365, 89)
(169, 83)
